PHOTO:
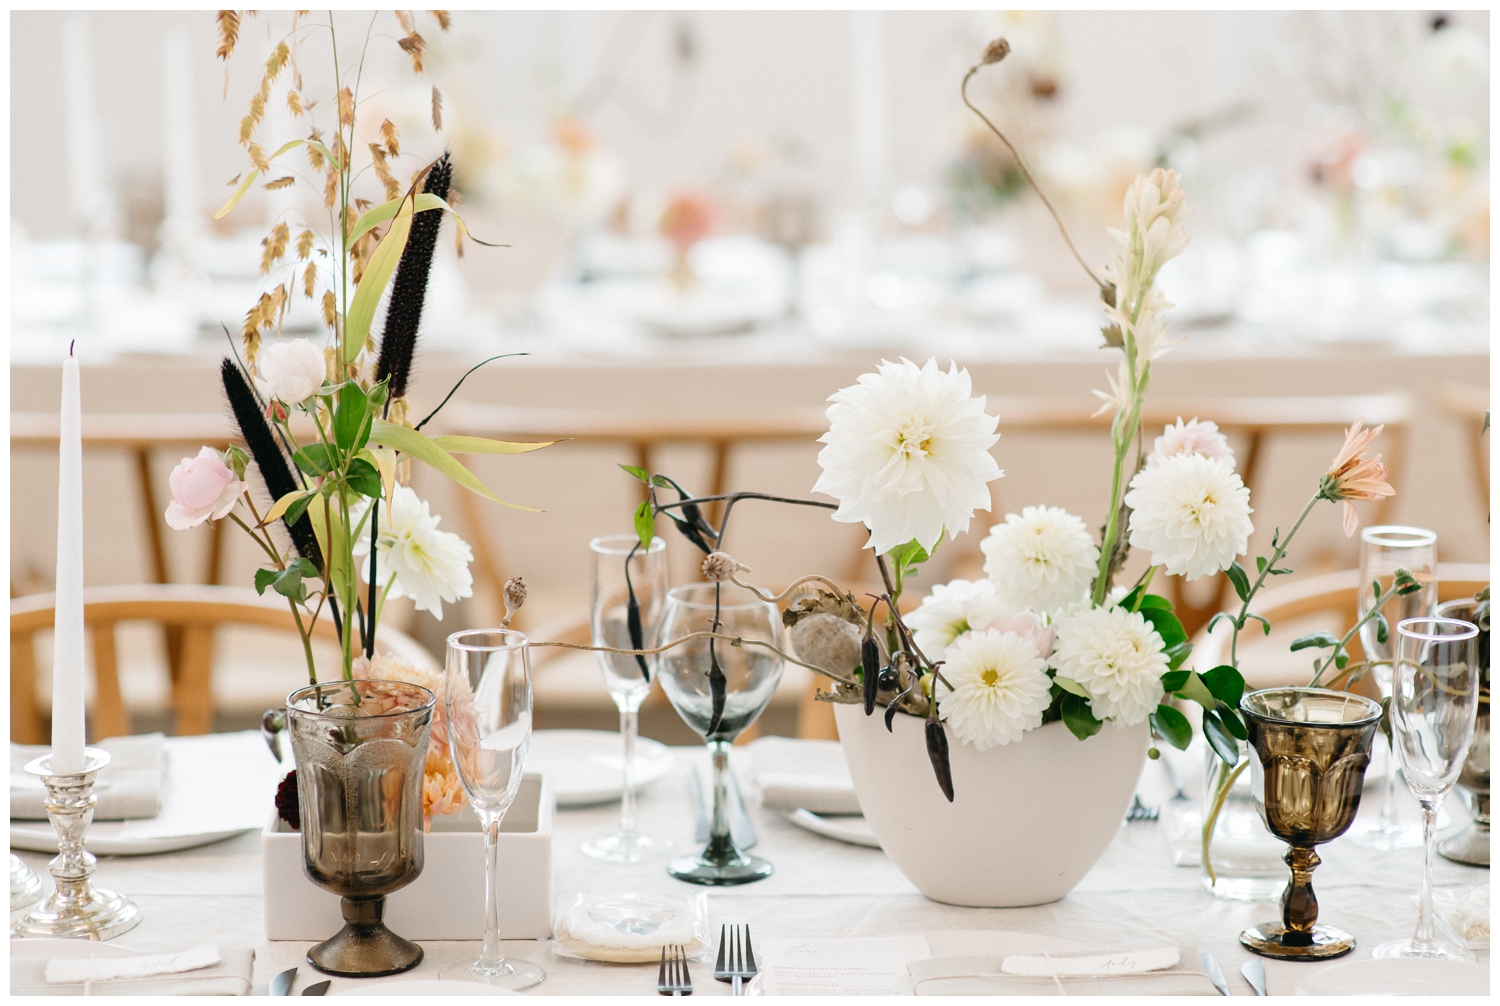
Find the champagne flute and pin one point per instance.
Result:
(1383, 550)
(620, 567)
(488, 708)
(1434, 700)
(746, 678)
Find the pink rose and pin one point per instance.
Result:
(1026, 625)
(203, 488)
(291, 371)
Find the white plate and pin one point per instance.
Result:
(1398, 976)
(586, 765)
(851, 828)
(423, 987)
(39, 837)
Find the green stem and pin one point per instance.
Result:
(1225, 784)
(312, 669)
(1322, 667)
(1239, 621)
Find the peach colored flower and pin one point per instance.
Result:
(1355, 475)
(388, 666)
(688, 219)
(442, 793)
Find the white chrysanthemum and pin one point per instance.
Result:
(1000, 688)
(1192, 437)
(908, 454)
(429, 565)
(1191, 513)
(951, 610)
(1116, 655)
(1042, 559)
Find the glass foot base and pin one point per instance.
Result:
(514, 976)
(622, 848)
(1247, 888)
(1270, 939)
(1470, 846)
(743, 870)
(1437, 950)
(25, 885)
(1389, 836)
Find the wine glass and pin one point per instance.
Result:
(1383, 550)
(744, 678)
(488, 708)
(620, 567)
(1433, 705)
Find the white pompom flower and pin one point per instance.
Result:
(999, 685)
(1116, 655)
(951, 610)
(907, 454)
(1191, 513)
(429, 565)
(1191, 437)
(1042, 559)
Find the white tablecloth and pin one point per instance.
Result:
(1133, 898)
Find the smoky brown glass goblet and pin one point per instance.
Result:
(360, 748)
(1311, 746)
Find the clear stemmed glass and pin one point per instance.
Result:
(1433, 704)
(749, 677)
(488, 708)
(617, 557)
(1383, 550)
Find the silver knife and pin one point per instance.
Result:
(316, 990)
(1254, 971)
(281, 985)
(1215, 973)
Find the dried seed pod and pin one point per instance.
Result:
(870, 664)
(994, 53)
(719, 567)
(515, 596)
(937, 750)
(827, 641)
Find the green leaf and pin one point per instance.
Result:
(1404, 583)
(1167, 626)
(1226, 684)
(1261, 564)
(1382, 629)
(1236, 574)
(364, 478)
(1172, 726)
(377, 274)
(1194, 688)
(1173, 681)
(264, 578)
(909, 555)
(645, 523)
(1229, 718)
(314, 459)
(1319, 639)
(1177, 655)
(1071, 686)
(280, 507)
(288, 583)
(662, 482)
(1155, 601)
(408, 441)
(1263, 623)
(1341, 660)
(349, 416)
(637, 473)
(1220, 739)
(298, 508)
(480, 445)
(378, 215)
(1215, 620)
(1079, 718)
(239, 194)
(1280, 572)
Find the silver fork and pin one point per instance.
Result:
(673, 978)
(736, 963)
(1140, 812)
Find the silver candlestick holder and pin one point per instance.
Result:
(25, 885)
(76, 909)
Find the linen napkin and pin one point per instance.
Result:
(1158, 971)
(801, 773)
(204, 971)
(130, 786)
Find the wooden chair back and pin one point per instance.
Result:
(195, 610)
(1471, 406)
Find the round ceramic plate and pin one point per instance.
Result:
(38, 836)
(422, 987)
(585, 765)
(851, 828)
(1398, 977)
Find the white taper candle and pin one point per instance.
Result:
(67, 648)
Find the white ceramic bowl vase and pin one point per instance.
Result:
(1027, 821)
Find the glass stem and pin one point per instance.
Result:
(1387, 819)
(491, 958)
(721, 850)
(1424, 942)
(628, 726)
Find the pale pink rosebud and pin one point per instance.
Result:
(291, 371)
(203, 488)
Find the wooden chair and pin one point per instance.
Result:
(1471, 405)
(1332, 595)
(196, 610)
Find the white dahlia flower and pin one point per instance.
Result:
(1191, 437)
(1042, 559)
(907, 454)
(951, 610)
(1000, 688)
(291, 371)
(1191, 513)
(1116, 655)
(429, 565)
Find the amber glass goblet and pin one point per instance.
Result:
(1311, 746)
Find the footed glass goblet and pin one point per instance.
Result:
(719, 689)
(1310, 750)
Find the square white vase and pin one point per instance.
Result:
(447, 901)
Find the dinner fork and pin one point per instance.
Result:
(736, 963)
(673, 978)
